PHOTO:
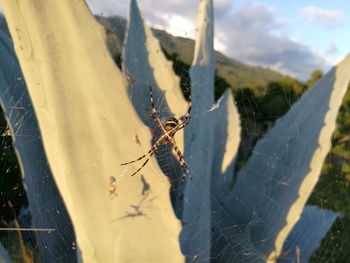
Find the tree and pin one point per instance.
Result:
(315, 75)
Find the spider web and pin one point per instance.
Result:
(332, 191)
(28, 233)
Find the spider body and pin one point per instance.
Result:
(168, 130)
(171, 124)
(169, 127)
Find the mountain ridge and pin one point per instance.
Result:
(237, 74)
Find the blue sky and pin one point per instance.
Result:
(320, 25)
(293, 37)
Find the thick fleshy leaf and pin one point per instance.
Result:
(307, 234)
(227, 138)
(89, 128)
(199, 143)
(45, 203)
(144, 64)
(272, 188)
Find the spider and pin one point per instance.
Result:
(168, 129)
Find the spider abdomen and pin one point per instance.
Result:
(171, 124)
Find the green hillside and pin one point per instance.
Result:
(233, 72)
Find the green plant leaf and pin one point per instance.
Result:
(89, 128)
(307, 234)
(199, 143)
(274, 185)
(46, 205)
(144, 64)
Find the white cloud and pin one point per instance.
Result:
(315, 14)
(251, 33)
(218, 45)
(179, 26)
(254, 39)
(108, 7)
(338, 59)
(331, 49)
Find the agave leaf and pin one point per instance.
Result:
(46, 212)
(273, 187)
(307, 234)
(144, 64)
(227, 138)
(89, 128)
(199, 143)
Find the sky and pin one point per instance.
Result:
(292, 37)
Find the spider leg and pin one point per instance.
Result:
(151, 97)
(150, 152)
(183, 124)
(187, 118)
(154, 112)
(143, 165)
(138, 159)
(184, 167)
